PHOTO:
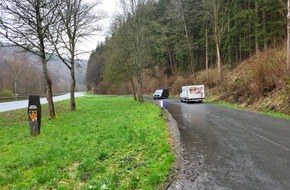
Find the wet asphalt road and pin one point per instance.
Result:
(224, 148)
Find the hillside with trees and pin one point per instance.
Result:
(46, 28)
(20, 73)
(236, 48)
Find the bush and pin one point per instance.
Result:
(266, 75)
(7, 93)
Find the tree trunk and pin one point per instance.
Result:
(174, 62)
(47, 80)
(257, 29)
(48, 87)
(133, 88)
(229, 38)
(219, 64)
(217, 40)
(49, 97)
(206, 52)
(72, 89)
(140, 93)
(140, 85)
(237, 54)
(170, 61)
(265, 31)
(72, 74)
(206, 39)
(191, 61)
(190, 52)
(288, 40)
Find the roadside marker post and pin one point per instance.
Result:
(34, 114)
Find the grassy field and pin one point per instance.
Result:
(108, 143)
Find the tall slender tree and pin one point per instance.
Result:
(217, 37)
(179, 11)
(95, 67)
(136, 14)
(206, 17)
(26, 24)
(77, 21)
(119, 63)
(288, 40)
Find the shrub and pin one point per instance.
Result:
(7, 93)
(265, 75)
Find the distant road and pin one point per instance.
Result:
(7, 106)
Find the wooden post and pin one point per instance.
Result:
(34, 114)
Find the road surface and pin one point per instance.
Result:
(7, 106)
(224, 148)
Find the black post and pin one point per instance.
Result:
(34, 114)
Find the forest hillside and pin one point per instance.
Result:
(259, 83)
(21, 74)
(236, 48)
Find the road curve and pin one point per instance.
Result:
(7, 106)
(226, 148)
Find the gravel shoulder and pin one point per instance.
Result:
(177, 177)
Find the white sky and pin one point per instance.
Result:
(110, 7)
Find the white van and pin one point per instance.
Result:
(194, 93)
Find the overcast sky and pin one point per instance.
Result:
(110, 7)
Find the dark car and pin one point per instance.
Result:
(161, 93)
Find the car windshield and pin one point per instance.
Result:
(158, 91)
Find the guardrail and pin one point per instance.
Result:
(16, 98)
(9, 99)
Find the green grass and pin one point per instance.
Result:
(276, 114)
(230, 105)
(224, 104)
(109, 141)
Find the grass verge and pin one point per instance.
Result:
(230, 105)
(225, 104)
(109, 142)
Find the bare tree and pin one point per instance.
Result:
(218, 30)
(217, 35)
(135, 13)
(206, 19)
(15, 72)
(78, 21)
(119, 65)
(24, 78)
(179, 10)
(257, 49)
(26, 24)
